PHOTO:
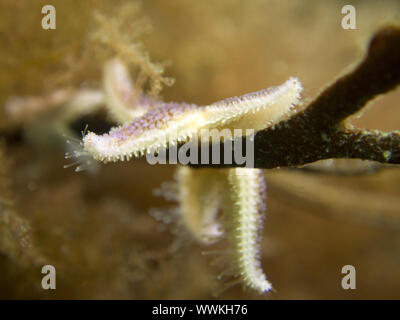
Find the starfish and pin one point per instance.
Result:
(145, 124)
(148, 122)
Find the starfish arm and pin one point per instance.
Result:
(199, 196)
(246, 210)
(166, 124)
(123, 102)
(257, 110)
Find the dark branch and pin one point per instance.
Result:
(377, 74)
(318, 132)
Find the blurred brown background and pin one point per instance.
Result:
(95, 228)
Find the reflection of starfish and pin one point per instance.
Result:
(239, 192)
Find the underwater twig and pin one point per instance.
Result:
(318, 131)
